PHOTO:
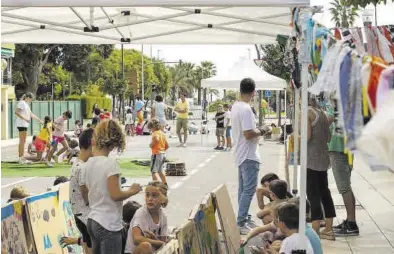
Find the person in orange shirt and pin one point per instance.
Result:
(159, 146)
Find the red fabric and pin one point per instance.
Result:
(107, 115)
(374, 78)
(57, 139)
(40, 145)
(102, 116)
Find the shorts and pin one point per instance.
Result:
(20, 129)
(57, 139)
(157, 163)
(341, 170)
(219, 132)
(84, 232)
(181, 124)
(228, 132)
(40, 145)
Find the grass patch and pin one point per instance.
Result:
(129, 168)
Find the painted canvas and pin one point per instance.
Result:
(207, 230)
(46, 222)
(227, 219)
(169, 248)
(12, 232)
(68, 217)
(187, 237)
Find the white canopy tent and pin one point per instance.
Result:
(244, 69)
(153, 22)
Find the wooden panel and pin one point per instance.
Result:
(188, 241)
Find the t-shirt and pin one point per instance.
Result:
(220, 121)
(143, 220)
(46, 133)
(103, 210)
(337, 141)
(314, 239)
(243, 119)
(77, 179)
(227, 118)
(25, 112)
(160, 146)
(129, 118)
(182, 106)
(60, 125)
(139, 105)
(159, 110)
(292, 242)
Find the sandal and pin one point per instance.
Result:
(327, 235)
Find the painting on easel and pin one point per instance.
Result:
(12, 232)
(188, 241)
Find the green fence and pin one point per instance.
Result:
(42, 109)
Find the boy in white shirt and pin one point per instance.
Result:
(288, 222)
(148, 230)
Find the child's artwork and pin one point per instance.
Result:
(207, 230)
(68, 217)
(188, 241)
(46, 222)
(169, 248)
(12, 232)
(227, 218)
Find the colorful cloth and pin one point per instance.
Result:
(377, 66)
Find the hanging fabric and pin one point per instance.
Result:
(383, 45)
(386, 33)
(377, 65)
(358, 40)
(386, 83)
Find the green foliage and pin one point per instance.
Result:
(214, 105)
(343, 14)
(273, 63)
(231, 96)
(364, 3)
(94, 90)
(87, 102)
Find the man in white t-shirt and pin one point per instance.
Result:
(288, 223)
(23, 118)
(246, 140)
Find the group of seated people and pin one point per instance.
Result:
(280, 217)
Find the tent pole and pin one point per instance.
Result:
(81, 18)
(91, 16)
(110, 20)
(304, 154)
(296, 135)
(285, 141)
(217, 14)
(260, 109)
(142, 74)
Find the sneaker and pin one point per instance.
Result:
(55, 158)
(184, 145)
(217, 148)
(22, 161)
(340, 226)
(180, 145)
(50, 164)
(244, 230)
(327, 235)
(251, 224)
(220, 148)
(349, 229)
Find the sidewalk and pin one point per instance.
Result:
(374, 211)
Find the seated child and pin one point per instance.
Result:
(288, 222)
(278, 194)
(17, 193)
(263, 191)
(149, 229)
(138, 129)
(31, 149)
(129, 210)
(60, 180)
(78, 128)
(145, 129)
(74, 150)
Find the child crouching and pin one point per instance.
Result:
(149, 229)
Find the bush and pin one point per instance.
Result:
(87, 103)
(213, 106)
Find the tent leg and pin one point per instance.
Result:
(285, 142)
(296, 140)
(304, 146)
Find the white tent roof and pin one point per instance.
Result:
(245, 69)
(146, 21)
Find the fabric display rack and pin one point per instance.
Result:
(354, 77)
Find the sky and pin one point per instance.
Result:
(224, 56)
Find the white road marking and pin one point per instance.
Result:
(176, 185)
(17, 182)
(201, 165)
(185, 178)
(193, 172)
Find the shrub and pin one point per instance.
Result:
(87, 103)
(213, 106)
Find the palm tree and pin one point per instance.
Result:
(208, 69)
(343, 14)
(213, 92)
(180, 80)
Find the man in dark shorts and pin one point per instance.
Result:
(219, 118)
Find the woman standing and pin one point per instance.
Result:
(158, 110)
(23, 118)
(318, 162)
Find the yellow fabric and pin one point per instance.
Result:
(183, 105)
(160, 146)
(140, 117)
(264, 104)
(46, 133)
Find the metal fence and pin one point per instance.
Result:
(42, 109)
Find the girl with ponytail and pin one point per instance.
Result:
(42, 140)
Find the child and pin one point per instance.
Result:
(288, 223)
(78, 128)
(95, 122)
(74, 150)
(227, 126)
(105, 193)
(17, 193)
(263, 191)
(31, 149)
(148, 229)
(219, 117)
(42, 140)
(78, 190)
(129, 122)
(138, 129)
(159, 146)
(60, 180)
(278, 194)
(129, 210)
(145, 129)
(58, 136)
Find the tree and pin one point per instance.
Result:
(364, 3)
(208, 69)
(343, 14)
(213, 92)
(231, 96)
